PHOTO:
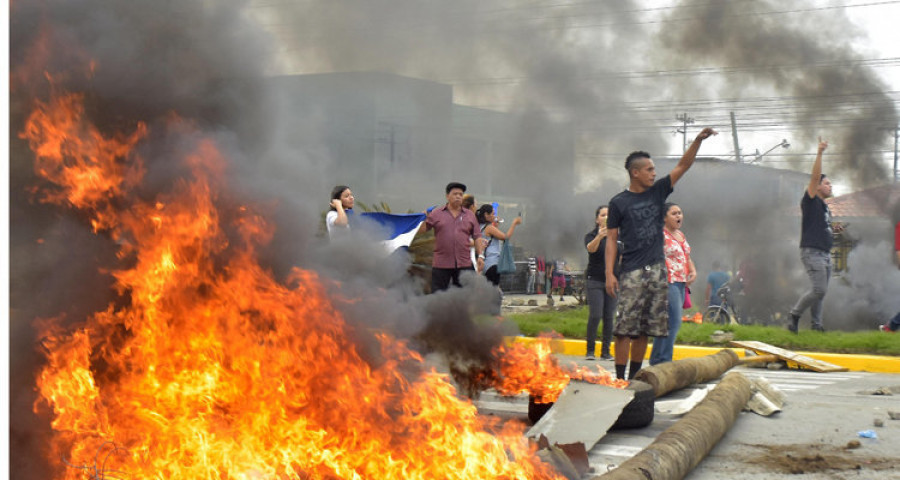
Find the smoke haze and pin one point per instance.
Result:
(213, 63)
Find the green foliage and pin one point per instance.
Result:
(572, 323)
(380, 207)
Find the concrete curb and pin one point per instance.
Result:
(856, 363)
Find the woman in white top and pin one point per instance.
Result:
(336, 220)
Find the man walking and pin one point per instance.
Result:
(816, 239)
(453, 227)
(636, 218)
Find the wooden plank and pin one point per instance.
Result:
(759, 359)
(793, 359)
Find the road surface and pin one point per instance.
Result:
(807, 440)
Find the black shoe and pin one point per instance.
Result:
(589, 356)
(606, 356)
(795, 323)
(818, 328)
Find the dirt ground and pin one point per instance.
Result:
(802, 459)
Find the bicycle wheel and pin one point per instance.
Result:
(715, 315)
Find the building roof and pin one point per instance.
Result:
(872, 202)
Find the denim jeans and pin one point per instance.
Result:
(818, 268)
(664, 347)
(600, 304)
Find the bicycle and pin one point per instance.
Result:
(724, 313)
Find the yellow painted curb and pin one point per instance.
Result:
(856, 363)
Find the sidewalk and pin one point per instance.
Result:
(519, 302)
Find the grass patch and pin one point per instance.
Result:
(572, 323)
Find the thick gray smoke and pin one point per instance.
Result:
(227, 66)
(520, 58)
(803, 57)
(209, 63)
(866, 296)
(769, 49)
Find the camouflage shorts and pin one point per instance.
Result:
(643, 302)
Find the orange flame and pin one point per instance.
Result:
(209, 368)
(532, 368)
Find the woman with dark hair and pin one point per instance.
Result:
(336, 220)
(681, 272)
(491, 237)
(600, 304)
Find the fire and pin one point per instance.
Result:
(533, 369)
(208, 367)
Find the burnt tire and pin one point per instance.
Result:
(537, 410)
(639, 411)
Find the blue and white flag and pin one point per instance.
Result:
(400, 228)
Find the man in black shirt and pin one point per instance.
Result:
(816, 239)
(636, 218)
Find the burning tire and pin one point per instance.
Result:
(537, 410)
(639, 411)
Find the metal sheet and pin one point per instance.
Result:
(582, 413)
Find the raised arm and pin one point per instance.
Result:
(594, 244)
(815, 178)
(341, 214)
(497, 233)
(688, 158)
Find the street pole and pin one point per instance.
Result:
(737, 148)
(685, 120)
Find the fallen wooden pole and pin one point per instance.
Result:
(670, 376)
(679, 449)
(759, 359)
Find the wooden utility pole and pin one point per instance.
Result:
(685, 120)
(737, 148)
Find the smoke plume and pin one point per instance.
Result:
(221, 67)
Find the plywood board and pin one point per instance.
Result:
(793, 359)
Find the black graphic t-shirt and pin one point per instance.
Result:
(815, 229)
(640, 219)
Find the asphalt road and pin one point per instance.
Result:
(808, 439)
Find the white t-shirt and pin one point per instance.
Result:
(330, 217)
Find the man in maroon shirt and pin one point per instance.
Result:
(453, 226)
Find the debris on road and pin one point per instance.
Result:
(582, 414)
(670, 376)
(765, 399)
(679, 449)
(793, 359)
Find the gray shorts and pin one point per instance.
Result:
(643, 303)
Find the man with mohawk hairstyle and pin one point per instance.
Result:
(636, 218)
(816, 240)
